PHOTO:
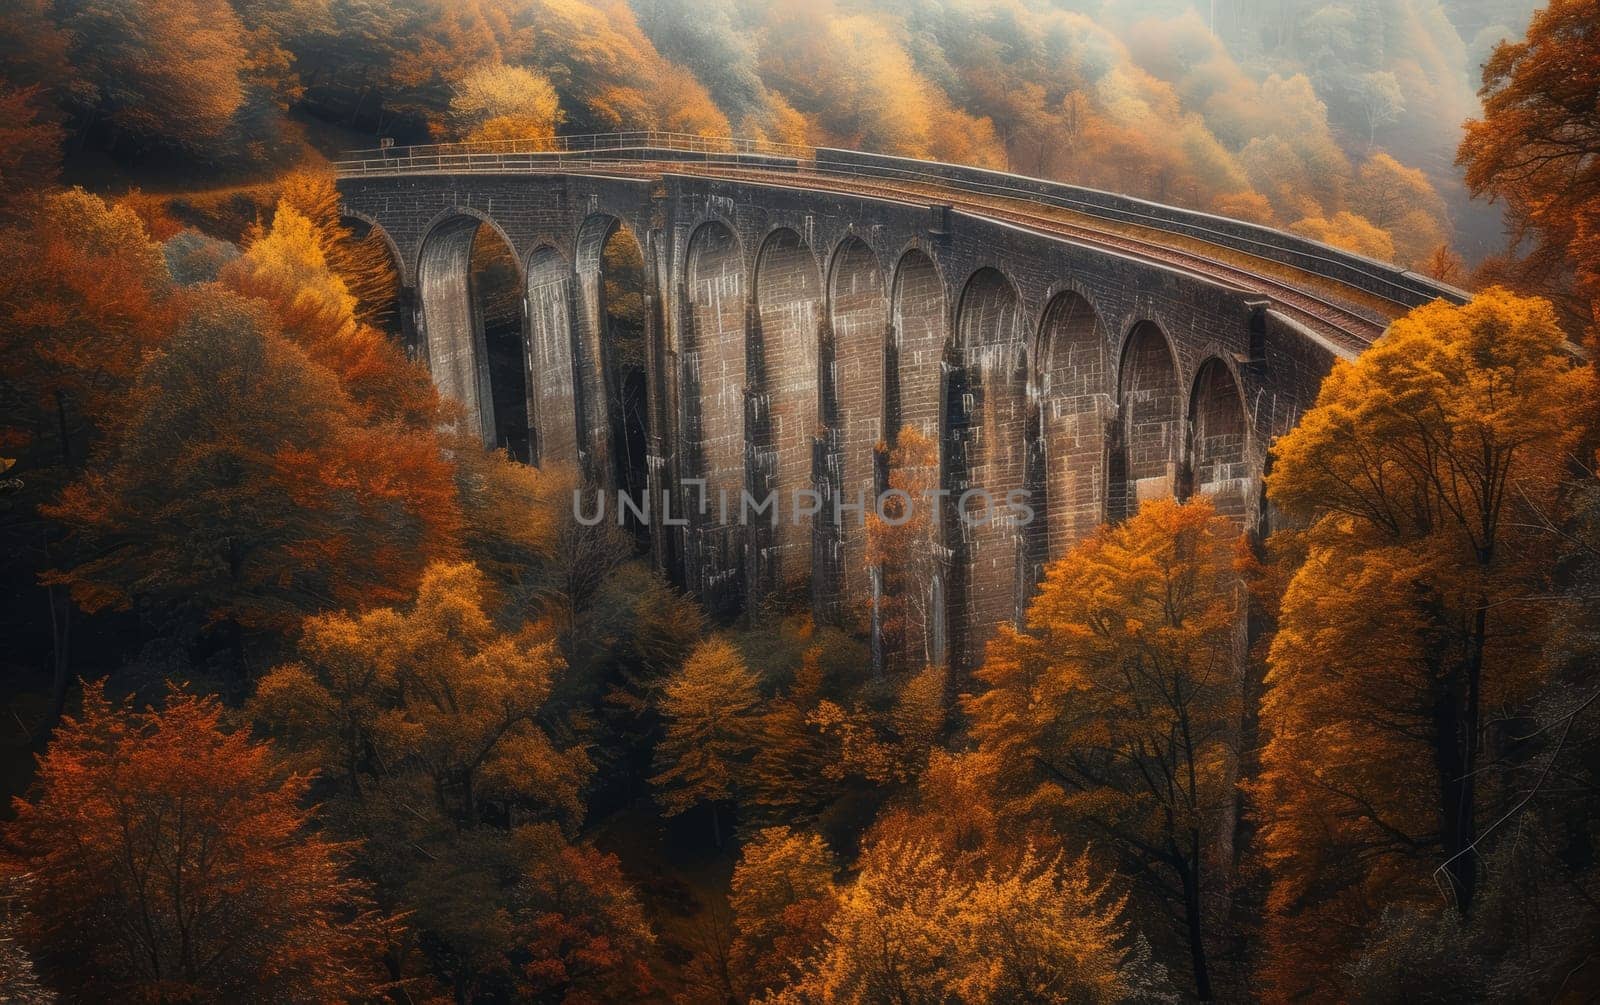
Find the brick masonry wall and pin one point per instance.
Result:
(990, 455)
(1076, 402)
(550, 297)
(789, 301)
(860, 318)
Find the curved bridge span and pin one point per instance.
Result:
(801, 308)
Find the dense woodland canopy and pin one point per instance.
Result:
(310, 698)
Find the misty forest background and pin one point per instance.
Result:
(308, 698)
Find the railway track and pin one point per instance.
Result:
(1348, 324)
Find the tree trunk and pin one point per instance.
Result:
(61, 661)
(1190, 872)
(61, 429)
(1454, 788)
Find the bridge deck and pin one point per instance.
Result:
(1346, 315)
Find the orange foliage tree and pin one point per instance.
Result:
(85, 298)
(171, 860)
(1424, 472)
(243, 486)
(163, 70)
(1537, 148)
(1110, 719)
(430, 721)
(911, 928)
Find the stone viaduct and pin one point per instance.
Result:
(804, 309)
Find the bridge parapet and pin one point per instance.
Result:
(632, 151)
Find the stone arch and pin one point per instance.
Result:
(787, 331)
(472, 326)
(1219, 440)
(986, 459)
(626, 363)
(853, 402)
(599, 379)
(556, 395)
(1074, 391)
(920, 335)
(390, 310)
(712, 382)
(914, 364)
(363, 224)
(1145, 448)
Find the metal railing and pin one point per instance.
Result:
(666, 151)
(587, 143)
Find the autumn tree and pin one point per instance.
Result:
(430, 723)
(1414, 618)
(911, 929)
(1348, 231)
(782, 896)
(1111, 716)
(84, 299)
(171, 859)
(434, 690)
(708, 707)
(499, 102)
(363, 262)
(1537, 150)
(30, 149)
(161, 70)
(244, 489)
(902, 544)
(288, 267)
(586, 934)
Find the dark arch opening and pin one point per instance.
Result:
(1145, 448)
(623, 299)
(785, 348)
(497, 291)
(1219, 440)
(987, 457)
(1074, 399)
(373, 274)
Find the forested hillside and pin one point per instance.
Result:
(1336, 120)
(309, 697)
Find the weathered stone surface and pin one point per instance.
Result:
(792, 332)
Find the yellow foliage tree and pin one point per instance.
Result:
(782, 896)
(288, 268)
(1111, 718)
(710, 709)
(436, 687)
(366, 265)
(911, 929)
(1349, 231)
(1421, 472)
(499, 102)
